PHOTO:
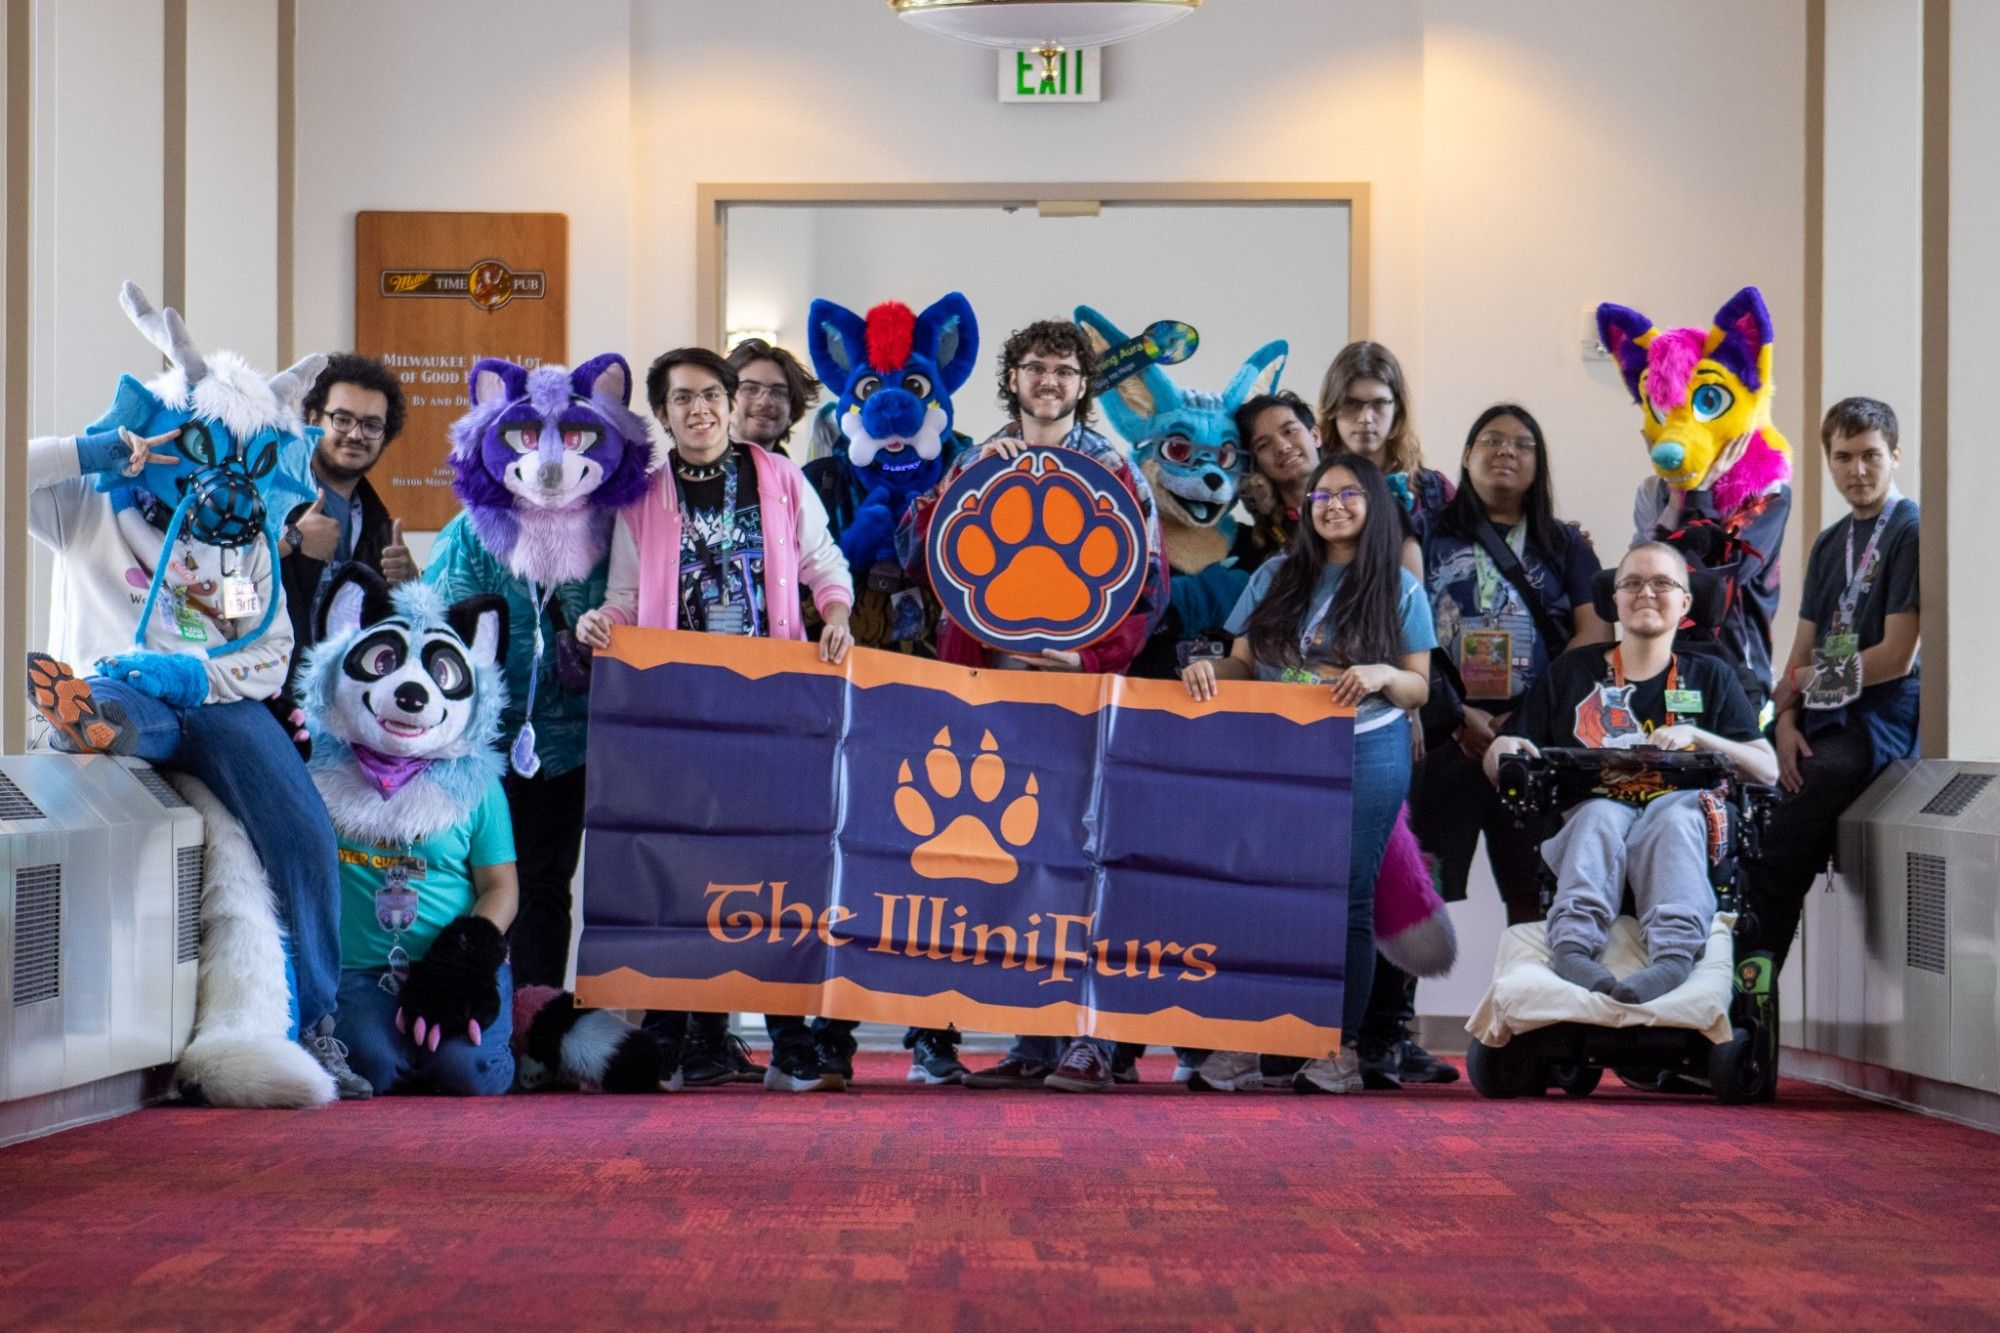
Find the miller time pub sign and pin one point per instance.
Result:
(434, 293)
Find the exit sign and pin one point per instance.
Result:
(1025, 77)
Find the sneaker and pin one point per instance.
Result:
(934, 1058)
(1125, 1061)
(795, 1067)
(1010, 1073)
(1226, 1071)
(708, 1056)
(80, 723)
(836, 1052)
(1414, 1064)
(1337, 1076)
(736, 1053)
(1381, 1065)
(1186, 1061)
(1084, 1068)
(331, 1052)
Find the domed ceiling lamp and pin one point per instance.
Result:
(1046, 27)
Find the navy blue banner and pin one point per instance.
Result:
(913, 842)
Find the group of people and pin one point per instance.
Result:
(1455, 617)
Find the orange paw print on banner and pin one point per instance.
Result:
(1040, 554)
(966, 848)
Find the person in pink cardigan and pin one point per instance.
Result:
(724, 540)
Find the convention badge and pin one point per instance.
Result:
(906, 615)
(189, 624)
(1687, 702)
(397, 972)
(727, 617)
(1486, 663)
(239, 597)
(1836, 678)
(1043, 550)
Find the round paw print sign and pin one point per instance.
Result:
(1045, 550)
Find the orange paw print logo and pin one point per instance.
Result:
(1045, 552)
(966, 848)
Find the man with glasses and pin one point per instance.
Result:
(358, 403)
(1045, 373)
(1632, 694)
(773, 392)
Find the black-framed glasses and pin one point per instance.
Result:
(1659, 585)
(368, 429)
(1347, 409)
(1035, 370)
(1346, 497)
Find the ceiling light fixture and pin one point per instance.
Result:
(1046, 27)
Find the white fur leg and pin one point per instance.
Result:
(241, 1055)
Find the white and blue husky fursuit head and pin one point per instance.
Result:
(403, 695)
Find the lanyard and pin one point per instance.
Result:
(711, 560)
(1673, 678)
(1861, 577)
(1486, 574)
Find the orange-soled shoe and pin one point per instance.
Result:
(65, 701)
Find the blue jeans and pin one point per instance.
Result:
(1381, 782)
(241, 754)
(393, 1063)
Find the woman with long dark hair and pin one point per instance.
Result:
(1339, 607)
(1509, 586)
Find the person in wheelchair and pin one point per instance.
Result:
(1637, 694)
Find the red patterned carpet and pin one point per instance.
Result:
(948, 1208)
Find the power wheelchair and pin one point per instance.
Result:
(1572, 1056)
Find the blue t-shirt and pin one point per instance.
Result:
(420, 888)
(1481, 619)
(1316, 639)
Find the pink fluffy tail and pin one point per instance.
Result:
(1412, 926)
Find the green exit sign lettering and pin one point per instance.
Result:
(1070, 77)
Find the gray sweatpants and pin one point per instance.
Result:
(1663, 843)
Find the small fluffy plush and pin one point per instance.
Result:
(557, 1045)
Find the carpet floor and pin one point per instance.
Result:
(948, 1208)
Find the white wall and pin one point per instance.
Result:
(1975, 351)
(1872, 288)
(1279, 272)
(232, 172)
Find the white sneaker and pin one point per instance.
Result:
(1335, 1076)
(1227, 1071)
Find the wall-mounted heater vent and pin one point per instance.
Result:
(1955, 795)
(1925, 942)
(14, 803)
(189, 864)
(162, 790)
(37, 934)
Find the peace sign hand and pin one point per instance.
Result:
(143, 452)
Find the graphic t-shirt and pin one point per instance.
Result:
(1316, 639)
(420, 887)
(722, 554)
(1481, 618)
(1577, 705)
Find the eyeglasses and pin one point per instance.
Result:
(1493, 440)
(685, 397)
(1035, 370)
(368, 429)
(1346, 497)
(1659, 585)
(753, 389)
(1349, 408)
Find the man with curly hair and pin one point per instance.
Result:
(1045, 374)
(358, 404)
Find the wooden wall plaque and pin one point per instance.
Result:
(434, 292)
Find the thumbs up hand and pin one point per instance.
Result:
(398, 565)
(319, 534)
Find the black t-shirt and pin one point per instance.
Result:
(722, 555)
(1575, 705)
(1893, 590)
